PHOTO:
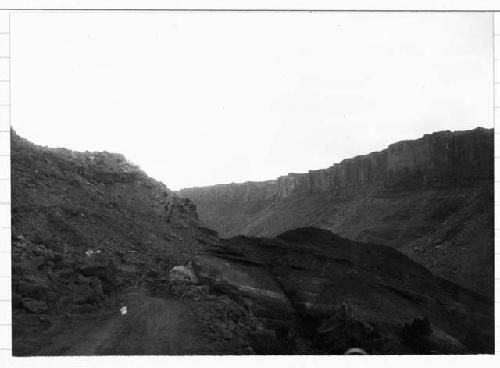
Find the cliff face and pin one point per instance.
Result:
(442, 158)
(403, 197)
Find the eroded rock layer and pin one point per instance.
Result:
(311, 279)
(432, 198)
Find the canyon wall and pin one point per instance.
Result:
(431, 198)
(441, 158)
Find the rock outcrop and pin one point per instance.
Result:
(345, 292)
(431, 198)
(86, 225)
(182, 274)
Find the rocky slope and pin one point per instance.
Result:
(98, 203)
(431, 198)
(85, 227)
(309, 283)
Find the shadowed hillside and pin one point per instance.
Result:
(431, 198)
(342, 293)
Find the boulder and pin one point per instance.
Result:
(271, 342)
(32, 286)
(423, 339)
(343, 331)
(102, 267)
(253, 286)
(87, 290)
(183, 274)
(34, 306)
(419, 328)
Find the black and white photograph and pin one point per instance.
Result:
(189, 183)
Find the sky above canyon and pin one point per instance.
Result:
(204, 98)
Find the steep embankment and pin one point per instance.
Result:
(99, 202)
(342, 293)
(84, 227)
(431, 198)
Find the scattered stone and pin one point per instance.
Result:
(35, 288)
(419, 328)
(183, 274)
(355, 351)
(103, 268)
(35, 306)
(343, 331)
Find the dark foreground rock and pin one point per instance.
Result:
(345, 294)
(49, 281)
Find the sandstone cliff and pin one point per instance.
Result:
(432, 198)
(442, 158)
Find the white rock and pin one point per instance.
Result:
(183, 274)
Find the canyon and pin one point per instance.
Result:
(92, 233)
(430, 198)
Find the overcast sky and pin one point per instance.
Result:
(205, 98)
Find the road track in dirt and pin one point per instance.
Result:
(152, 326)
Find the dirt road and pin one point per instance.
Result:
(152, 326)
